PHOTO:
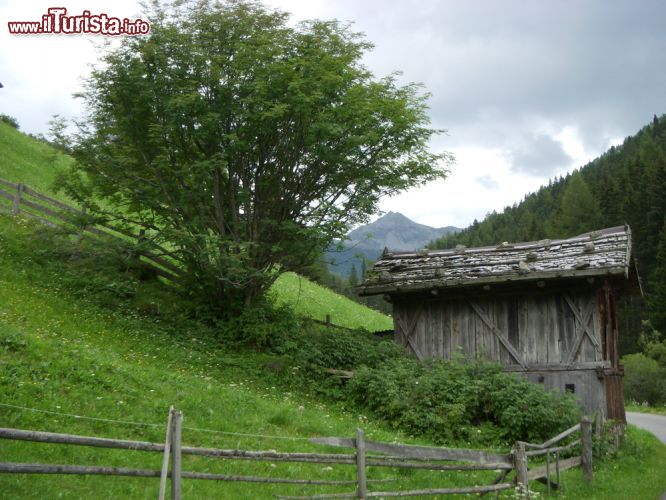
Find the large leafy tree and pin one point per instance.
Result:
(246, 143)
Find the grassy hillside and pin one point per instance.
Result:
(34, 163)
(27, 160)
(63, 351)
(315, 301)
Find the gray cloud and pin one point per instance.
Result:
(497, 69)
(540, 156)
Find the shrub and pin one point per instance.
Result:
(461, 399)
(644, 379)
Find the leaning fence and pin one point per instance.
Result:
(366, 453)
(21, 199)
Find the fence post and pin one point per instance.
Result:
(165, 459)
(586, 457)
(82, 232)
(520, 459)
(360, 464)
(328, 321)
(176, 464)
(16, 205)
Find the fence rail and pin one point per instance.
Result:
(30, 203)
(366, 453)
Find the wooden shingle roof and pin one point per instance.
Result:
(606, 252)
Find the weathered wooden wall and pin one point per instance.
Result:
(535, 329)
(558, 338)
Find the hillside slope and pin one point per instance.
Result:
(26, 160)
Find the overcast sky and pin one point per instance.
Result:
(526, 89)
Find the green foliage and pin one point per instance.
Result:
(9, 120)
(578, 211)
(462, 399)
(247, 143)
(644, 380)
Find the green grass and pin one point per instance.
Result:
(645, 408)
(314, 301)
(72, 355)
(29, 161)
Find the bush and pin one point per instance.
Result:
(9, 120)
(644, 379)
(468, 400)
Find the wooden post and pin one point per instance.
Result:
(82, 232)
(176, 465)
(360, 464)
(16, 205)
(557, 469)
(165, 459)
(328, 320)
(548, 471)
(586, 457)
(521, 465)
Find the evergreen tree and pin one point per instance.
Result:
(657, 296)
(579, 212)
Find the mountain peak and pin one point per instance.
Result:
(397, 232)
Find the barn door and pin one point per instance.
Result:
(406, 320)
(584, 330)
(502, 336)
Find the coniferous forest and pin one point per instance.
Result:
(625, 185)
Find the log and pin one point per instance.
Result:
(421, 452)
(48, 199)
(176, 461)
(521, 464)
(165, 458)
(362, 487)
(413, 493)
(565, 464)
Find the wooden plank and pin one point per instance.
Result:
(8, 184)
(165, 458)
(421, 452)
(362, 486)
(6, 195)
(553, 355)
(39, 218)
(586, 456)
(412, 493)
(52, 437)
(503, 339)
(556, 439)
(22, 468)
(176, 461)
(48, 199)
(537, 453)
(45, 210)
(565, 464)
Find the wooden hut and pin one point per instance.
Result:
(545, 309)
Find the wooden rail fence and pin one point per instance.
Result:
(366, 454)
(21, 199)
